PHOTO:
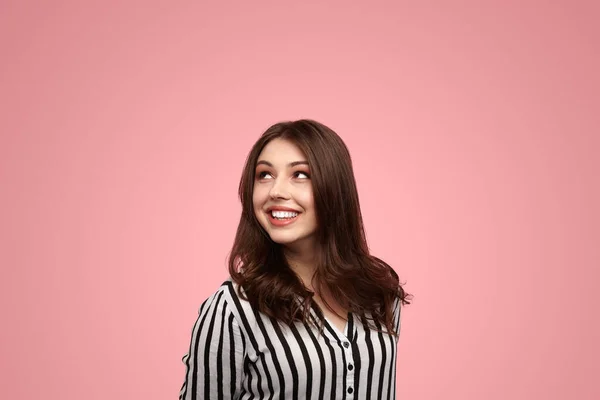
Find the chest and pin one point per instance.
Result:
(301, 360)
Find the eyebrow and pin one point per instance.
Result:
(292, 164)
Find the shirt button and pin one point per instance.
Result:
(346, 344)
(350, 390)
(350, 367)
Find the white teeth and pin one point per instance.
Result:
(284, 214)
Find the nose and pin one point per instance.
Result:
(279, 190)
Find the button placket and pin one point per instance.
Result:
(349, 368)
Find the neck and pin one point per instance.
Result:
(303, 265)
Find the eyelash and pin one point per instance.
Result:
(261, 174)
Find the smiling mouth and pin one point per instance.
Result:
(280, 218)
(283, 215)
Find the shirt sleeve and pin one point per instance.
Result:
(215, 360)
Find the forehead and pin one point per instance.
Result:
(281, 151)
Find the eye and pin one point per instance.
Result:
(302, 173)
(261, 175)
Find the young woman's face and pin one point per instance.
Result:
(282, 182)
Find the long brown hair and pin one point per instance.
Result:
(360, 282)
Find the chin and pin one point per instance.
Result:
(289, 240)
(282, 239)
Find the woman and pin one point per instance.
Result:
(307, 312)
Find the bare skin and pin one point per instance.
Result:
(283, 179)
(303, 267)
(335, 319)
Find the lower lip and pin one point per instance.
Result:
(281, 222)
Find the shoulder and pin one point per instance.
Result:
(228, 291)
(397, 307)
(227, 299)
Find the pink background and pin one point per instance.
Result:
(474, 129)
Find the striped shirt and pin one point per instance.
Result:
(239, 353)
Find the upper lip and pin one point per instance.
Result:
(281, 208)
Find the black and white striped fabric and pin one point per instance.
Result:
(237, 353)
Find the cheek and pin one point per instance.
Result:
(258, 198)
(306, 199)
